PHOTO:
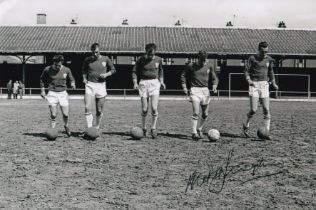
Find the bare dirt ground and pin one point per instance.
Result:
(171, 172)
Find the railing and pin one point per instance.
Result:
(278, 93)
(125, 93)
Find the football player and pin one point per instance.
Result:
(258, 73)
(55, 77)
(148, 70)
(199, 74)
(96, 69)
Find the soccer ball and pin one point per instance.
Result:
(213, 135)
(51, 134)
(263, 133)
(137, 133)
(91, 133)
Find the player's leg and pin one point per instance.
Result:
(53, 114)
(266, 112)
(253, 109)
(195, 118)
(64, 107)
(154, 92)
(99, 103)
(144, 99)
(100, 94)
(53, 101)
(144, 104)
(205, 110)
(196, 99)
(154, 114)
(89, 101)
(65, 113)
(205, 101)
(253, 98)
(265, 101)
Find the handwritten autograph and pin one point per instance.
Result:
(217, 177)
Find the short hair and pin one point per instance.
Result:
(262, 45)
(94, 46)
(58, 58)
(202, 55)
(150, 47)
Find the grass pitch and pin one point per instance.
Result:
(171, 172)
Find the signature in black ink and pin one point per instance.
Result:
(217, 177)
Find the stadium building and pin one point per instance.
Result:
(26, 50)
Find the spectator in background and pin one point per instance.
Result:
(21, 89)
(9, 87)
(15, 89)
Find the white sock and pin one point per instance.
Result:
(266, 123)
(194, 125)
(144, 121)
(154, 121)
(89, 119)
(52, 123)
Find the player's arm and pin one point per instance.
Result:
(214, 80)
(72, 80)
(160, 76)
(134, 75)
(43, 80)
(271, 75)
(184, 80)
(110, 65)
(84, 71)
(247, 71)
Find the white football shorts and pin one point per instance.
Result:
(201, 95)
(149, 87)
(259, 89)
(54, 98)
(96, 89)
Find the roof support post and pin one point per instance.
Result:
(23, 61)
(23, 68)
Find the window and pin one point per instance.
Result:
(133, 59)
(167, 61)
(299, 63)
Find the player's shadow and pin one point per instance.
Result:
(76, 134)
(117, 133)
(42, 136)
(38, 135)
(232, 135)
(62, 134)
(175, 135)
(258, 139)
(128, 134)
(122, 134)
